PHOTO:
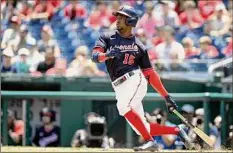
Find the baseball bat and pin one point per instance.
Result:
(199, 132)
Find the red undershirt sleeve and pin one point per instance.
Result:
(101, 56)
(154, 80)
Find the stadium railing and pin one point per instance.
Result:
(206, 98)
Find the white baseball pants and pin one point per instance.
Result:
(129, 95)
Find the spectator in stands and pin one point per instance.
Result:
(179, 6)
(189, 48)
(141, 35)
(158, 38)
(230, 32)
(191, 17)
(207, 51)
(198, 121)
(21, 65)
(170, 47)
(139, 5)
(7, 66)
(82, 65)
(207, 8)
(59, 68)
(25, 37)
(219, 21)
(148, 21)
(114, 7)
(56, 3)
(15, 129)
(46, 38)
(169, 16)
(199, 118)
(215, 132)
(187, 111)
(43, 10)
(99, 17)
(11, 36)
(75, 10)
(8, 9)
(177, 65)
(48, 41)
(227, 51)
(34, 57)
(25, 11)
(48, 62)
(47, 134)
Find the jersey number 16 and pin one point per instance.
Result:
(129, 59)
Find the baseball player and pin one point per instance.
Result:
(47, 134)
(130, 70)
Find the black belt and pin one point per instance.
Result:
(123, 78)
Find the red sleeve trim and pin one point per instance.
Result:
(98, 49)
(101, 56)
(154, 80)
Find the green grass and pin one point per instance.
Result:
(68, 149)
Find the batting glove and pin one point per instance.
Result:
(170, 103)
(113, 53)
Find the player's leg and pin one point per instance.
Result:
(136, 104)
(153, 128)
(139, 110)
(124, 95)
(157, 129)
(138, 107)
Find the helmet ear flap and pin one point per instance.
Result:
(131, 21)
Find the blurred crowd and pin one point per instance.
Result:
(56, 37)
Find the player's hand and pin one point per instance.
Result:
(113, 53)
(170, 103)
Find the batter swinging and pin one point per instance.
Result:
(129, 66)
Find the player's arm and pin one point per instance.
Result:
(99, 51)
(98, 55)
(154, 80)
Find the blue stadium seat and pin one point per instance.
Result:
(58, 15)
(72, 35)
(75, 43)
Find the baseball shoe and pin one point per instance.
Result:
(189, 144)
(148, 146)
